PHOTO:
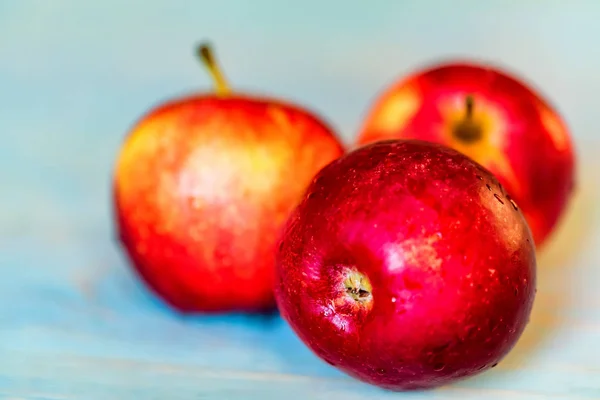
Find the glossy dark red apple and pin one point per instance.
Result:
(494, 117)
(203, 186)
(407, 266)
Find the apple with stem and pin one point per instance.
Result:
(407, 266)
(202, 187)
(494, 118)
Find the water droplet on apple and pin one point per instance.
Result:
(329, 362)
(439, 366)
(498, 198)
(470, 331)
(512, 202)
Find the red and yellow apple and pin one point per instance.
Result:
(203, 185)
(494, 118)
(407, 266)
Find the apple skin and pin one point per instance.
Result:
(524, 141)
(202, 188)
(407, 266)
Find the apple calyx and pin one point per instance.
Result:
(358, 287)
(207, 56)
(468, 130)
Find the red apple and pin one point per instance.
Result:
(407, 266)
(202, 187)
(494, 118)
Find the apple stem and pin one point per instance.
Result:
(468, 130)
(469, 106)
(206, 54)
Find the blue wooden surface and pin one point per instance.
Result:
(74, 321)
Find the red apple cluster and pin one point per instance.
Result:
(408, 262)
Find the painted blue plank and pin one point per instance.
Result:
(81, 320)
(76, 323)
(102, 377)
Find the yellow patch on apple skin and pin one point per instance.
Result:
(555, 128)
(137, 145)
(502, 215)
(488, 150)
(245, 167)
(413, 252)
(135, 175)
(396, 111)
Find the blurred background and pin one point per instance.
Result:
(75, 76)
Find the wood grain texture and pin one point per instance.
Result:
(75, 323)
